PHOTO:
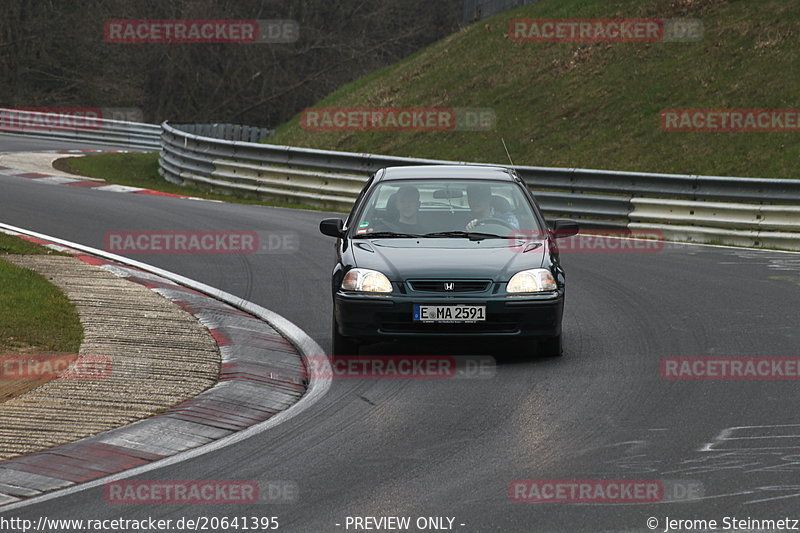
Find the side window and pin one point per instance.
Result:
(383, 195)
(359, 199)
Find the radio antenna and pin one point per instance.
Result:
(506, 149)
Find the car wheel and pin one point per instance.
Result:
(551, 346)
(342, 345)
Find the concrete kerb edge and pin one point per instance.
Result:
(306, 347)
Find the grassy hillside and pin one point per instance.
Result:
(594, 105)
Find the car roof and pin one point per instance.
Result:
(446, 171)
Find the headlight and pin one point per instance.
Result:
(534, 280)
(365, 280)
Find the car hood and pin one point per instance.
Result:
(402, 259)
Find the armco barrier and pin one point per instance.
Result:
(85, 129)
(328, 178)
(772, 226)
(229, 132)
(223, 157)
(725, 210)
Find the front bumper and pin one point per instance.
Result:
(385, 317)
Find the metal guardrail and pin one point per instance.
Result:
(223, 157)
(81, 128)
(733, 210)
(229, 132)
(331, 179)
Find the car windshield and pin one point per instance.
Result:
(446, 208)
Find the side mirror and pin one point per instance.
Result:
(332, 227)
(564, 227)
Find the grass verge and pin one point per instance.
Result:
(10, 244)
(141, 170)
(36, 318)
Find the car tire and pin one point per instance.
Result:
(342, 345)
(551, 346)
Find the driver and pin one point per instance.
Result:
(407, 202)
(479, 197)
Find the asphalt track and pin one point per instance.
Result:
(452, 447)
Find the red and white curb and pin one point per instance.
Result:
(88, 151)
(87, 183)
(263, 382)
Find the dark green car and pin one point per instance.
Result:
(447, 251)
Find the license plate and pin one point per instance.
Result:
(449, 313)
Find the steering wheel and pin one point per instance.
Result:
(493, 220)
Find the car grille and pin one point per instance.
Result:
(430, 285)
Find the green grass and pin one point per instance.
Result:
(34, 313)
(141, 170)
(593, 105)
(9, 244)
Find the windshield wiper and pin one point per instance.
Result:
(384, 234)
(472, 235)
